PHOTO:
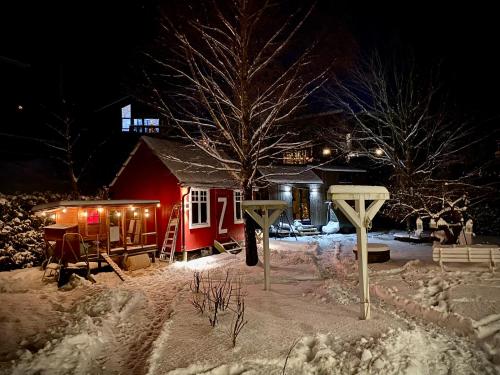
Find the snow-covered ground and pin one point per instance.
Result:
(423, 321)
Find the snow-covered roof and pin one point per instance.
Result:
(190, 165)
(94, 203)
(334, 168)
(290, 174)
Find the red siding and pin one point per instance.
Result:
(146, 177)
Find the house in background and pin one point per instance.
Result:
(301, 188)
(176, 173)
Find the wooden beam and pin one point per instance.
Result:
(348, 211)
(372, 210)
(364, 290)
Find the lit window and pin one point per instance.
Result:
(138, 122)
(126, 118)
(151, 122)
(238, 213)
(92, 217)
(199, 207)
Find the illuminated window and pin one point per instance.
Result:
(126, 118)
(302, 156)
(199, 208)
(92, 217)
(238, 213)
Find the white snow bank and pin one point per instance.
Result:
(410, 352)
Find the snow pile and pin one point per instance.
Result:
(410, 352)
(78, 348)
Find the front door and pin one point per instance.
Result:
(301, 207)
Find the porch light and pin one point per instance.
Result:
(327, 151)
(100, 209)
(146, 214)
(118, 213)
(64, 210)
(146, 210)
(135, 213)
(53, 216)
(132, 208)
(84, 214)
(158, 205)
(379, 151)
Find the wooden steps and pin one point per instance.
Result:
(231, 247)
(114, 266)
(308, 231)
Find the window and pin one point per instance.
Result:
(126, 118)
(302, 156)
(92, 217)
(238, 213)
(199, 208)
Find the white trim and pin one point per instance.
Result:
(222, 200)
(200, 225)
(125, 164)
(236, 220)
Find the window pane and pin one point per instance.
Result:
(138, 121)
(238, 211)
(194, 195)
(194, 214)
(151, 121)
(126, 111)
(203, 196)
(92, 217)
(125, 124)
(203, 213)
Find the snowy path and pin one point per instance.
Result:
(148, 325)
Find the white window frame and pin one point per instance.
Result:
(198, 225)
(236, 220)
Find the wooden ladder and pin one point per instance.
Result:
(114, 266)
(169, 243)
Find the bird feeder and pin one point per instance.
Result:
(265, 213)
(361, 218)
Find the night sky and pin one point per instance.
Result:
(93, 48)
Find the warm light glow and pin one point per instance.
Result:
(379, 152)
(327, 151)
(44, 213)
(64, 210)
(158, 205)
(53, 216)
(146, 210)
(84, 214)
(100, 209)
(135, 213)
(131, 208)
(146, 214)
(118, 213)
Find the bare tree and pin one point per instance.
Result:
(400, 120)
(230, 81)
(62, 137)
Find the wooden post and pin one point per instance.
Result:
(360, 217)
(364, 291)
(265, 220)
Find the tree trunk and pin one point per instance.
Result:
(252, 257)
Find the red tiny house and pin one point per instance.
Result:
(175, 173)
